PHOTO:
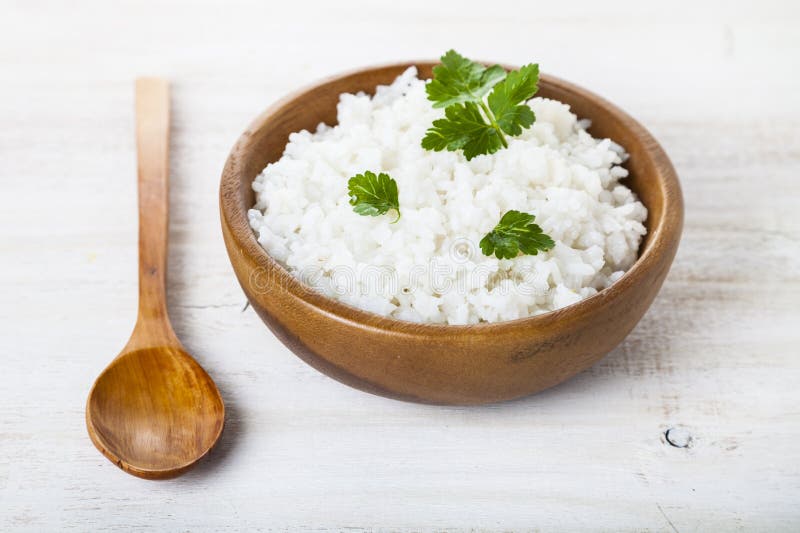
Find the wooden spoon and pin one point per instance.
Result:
(154, 411)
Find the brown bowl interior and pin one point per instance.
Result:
(517, 357)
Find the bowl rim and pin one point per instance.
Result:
(661, 232)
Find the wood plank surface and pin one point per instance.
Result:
(716, 357)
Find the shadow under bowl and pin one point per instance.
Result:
(441, 364)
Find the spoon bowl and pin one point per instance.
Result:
(156, 408)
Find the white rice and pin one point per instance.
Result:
(428, 267)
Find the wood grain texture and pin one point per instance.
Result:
(715, 354)
(154, 412)
(452, 365)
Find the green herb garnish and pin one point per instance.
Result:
(471, 124)
(372, 195)
(463, 128)
(458, 80)
(515, 233)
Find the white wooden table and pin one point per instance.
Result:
(717, 356)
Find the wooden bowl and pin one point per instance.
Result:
(442, 364)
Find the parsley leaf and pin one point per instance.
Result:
(519, 86)
(515, 233)
(462, 128)
(372, 195)
(459, 80)
(459, 86)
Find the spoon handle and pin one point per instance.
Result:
(152, 145)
